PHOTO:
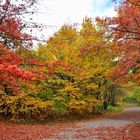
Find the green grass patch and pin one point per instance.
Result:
(130, 100)
(114, 109)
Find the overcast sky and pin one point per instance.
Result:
(55, 13)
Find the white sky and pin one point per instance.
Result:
(55, 13)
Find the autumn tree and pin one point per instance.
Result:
(86, 58)
(13, 24)
(124, 33)
(14, 40)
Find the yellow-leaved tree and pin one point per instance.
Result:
(80, 84)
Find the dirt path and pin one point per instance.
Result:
(110, 128)
(117, 127)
